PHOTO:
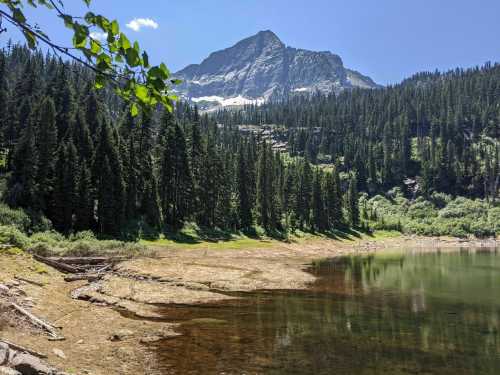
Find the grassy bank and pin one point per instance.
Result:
(192, 237)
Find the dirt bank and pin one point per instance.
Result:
(102, 339)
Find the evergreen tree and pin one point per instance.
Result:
(175, 178)
(22, 185)
(353, 202)
(108, 177)
(319, 221)
(244, 203)
(46, 147)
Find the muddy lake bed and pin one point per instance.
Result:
(395, 311)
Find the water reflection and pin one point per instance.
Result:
(397, 313)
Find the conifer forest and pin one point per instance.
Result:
(76, 160)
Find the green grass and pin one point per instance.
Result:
(192, 237)
(235, 242)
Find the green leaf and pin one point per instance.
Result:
(30, 39)
(90, 17)
(124, 42)
(100, 80)
(134, 111)
(95, 46)
(103, 23)
(103, 62)
(156, 73)
(145, 59)
(87, 2)
(165, 70)
(141, 92)
(18, 15)
(115, 28)
(80, 35)
(132, 57)
(176, 81)
(68, 21)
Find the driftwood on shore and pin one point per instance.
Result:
(83, 276)
(22, 349)
(57, 265)
(80, 266)
(87, 260)
(29, 281)
(37, 321)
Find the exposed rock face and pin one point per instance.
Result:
(261, 66)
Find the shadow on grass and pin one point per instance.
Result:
(346, 233)
(197, 235)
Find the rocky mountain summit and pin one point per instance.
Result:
(260, 67)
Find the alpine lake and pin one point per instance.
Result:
(393, 312)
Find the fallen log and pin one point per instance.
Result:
(88, 260)
(55, 264)
(29, 281)
(83, 276)
(22, 349)
(105, 268)
(35, 320)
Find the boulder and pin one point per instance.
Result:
(120, 335)
(8, 371)
(27, 364)
(4, 353)
(59, 353)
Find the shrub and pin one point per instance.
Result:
(83, 235)
(481, 228)
(14, 217)
(494, 219)
(440, 200)
(462, 207)
(13, 236)
(421, 209)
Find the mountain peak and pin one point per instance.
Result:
(264, 38)
(267, 34)
(261, 66)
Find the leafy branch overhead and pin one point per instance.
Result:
(114, 60)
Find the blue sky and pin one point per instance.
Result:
(385, 39)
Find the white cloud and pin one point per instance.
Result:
(137, 23)
(98, 36)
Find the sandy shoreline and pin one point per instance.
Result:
(101, 339)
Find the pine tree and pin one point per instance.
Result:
(319, 221)
(131, 209)
(353, 202)
(84, 210)
(244, 204)
(47, 148)
(263, 193)
(22, 185)
(304, 192)
(65, 196)
(4, 99)
(108, 178)
(175, 178)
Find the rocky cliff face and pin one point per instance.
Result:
(261, 66)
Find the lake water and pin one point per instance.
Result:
(397, 312)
